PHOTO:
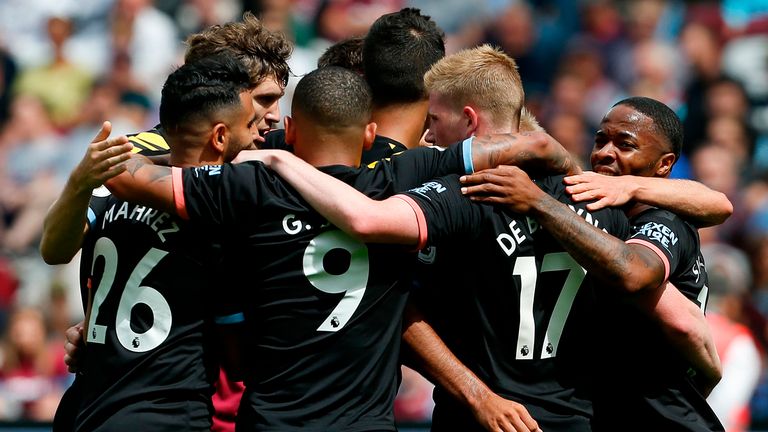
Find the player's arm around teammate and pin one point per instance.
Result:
(66, 221)
(689, 199)
(393, 221)
(632, 268)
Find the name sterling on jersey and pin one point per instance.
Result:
(154, 219)
(508, 242)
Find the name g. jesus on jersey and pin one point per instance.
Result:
(658, 232)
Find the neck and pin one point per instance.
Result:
(188, 151)
(322, 148)
(403, 122)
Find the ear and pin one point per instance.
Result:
(220, 137)
(665, 165)
(471, 118)
(290, 130)
(369, 135)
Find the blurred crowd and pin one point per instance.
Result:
(67, 65)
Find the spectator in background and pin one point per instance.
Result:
(147, 40)
(729, 282)
(341, 19)
(32, 371)
(60, 85)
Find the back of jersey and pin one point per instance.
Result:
(146, 275)
(323, 310)
(530, 302)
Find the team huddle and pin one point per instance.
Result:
(296, 270)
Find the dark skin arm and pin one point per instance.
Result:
(434, 360)
(628, 267)
(631, 268)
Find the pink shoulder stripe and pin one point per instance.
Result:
(658, 252)
(422, 221)
(178, 193)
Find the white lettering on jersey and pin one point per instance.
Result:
(697, 266)
(212, 170)
(509, 242)
(659, 232)
(424, 189)
(295, 224)
(154, 219)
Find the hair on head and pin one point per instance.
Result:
(664, 120)
(399, 48)
(264, 53)
(334, 97)
(201, 88)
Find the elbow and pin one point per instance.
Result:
(53, 257)
(363, 229)
(726, 209)
(635, 281)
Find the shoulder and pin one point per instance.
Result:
(149, 143)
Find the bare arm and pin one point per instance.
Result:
(66, 222)
(632, 268)
(689, 199)
(144, 183)
(438, 363)
(534, 152)
(388, 221)
(686, 328)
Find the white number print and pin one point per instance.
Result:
(525, 267)
(133, 294)
(351, 282)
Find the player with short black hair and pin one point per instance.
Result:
(334, 86)
(398, 49)
(148, 361)
(347, 53)
(665, 121)
(643, 380)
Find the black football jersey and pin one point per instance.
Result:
(324, 310)
(529, 309)
(147, 365)
(644, 381)
(382, 148)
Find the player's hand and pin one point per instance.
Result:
(104, 158)
(73, 345)
(609, 191)
(498, 414)
(508, 185)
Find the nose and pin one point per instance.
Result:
(430, 136)
(605, 152)
(273, 114)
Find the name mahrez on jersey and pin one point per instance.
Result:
(156, 220)
(659, 232)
